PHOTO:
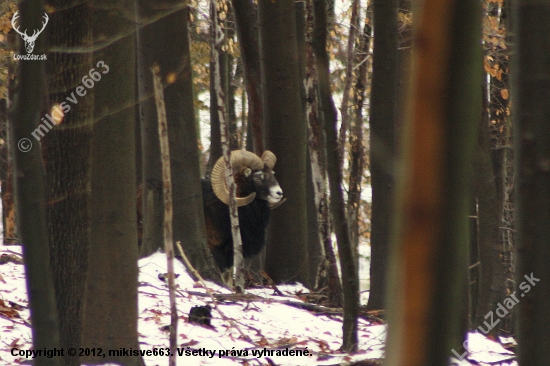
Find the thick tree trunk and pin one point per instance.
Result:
(532, 138)
(316, 253)
(247, 33)
(111, 310)
(382, 123)
(287, 257)
(30, 195)
(189, 225)
(497, 40)
(429, 260)
(151, 186)
(6, 178)
(66, 154)
(172, 55)
(492, 279)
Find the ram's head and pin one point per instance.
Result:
(253, 175)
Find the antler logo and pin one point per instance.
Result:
(29, 40)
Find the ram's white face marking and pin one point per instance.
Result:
(275, 194)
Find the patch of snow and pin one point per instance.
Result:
(271, 325)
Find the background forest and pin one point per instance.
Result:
(411, 138)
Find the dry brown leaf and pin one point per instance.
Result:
(8, 312)
(504, 94)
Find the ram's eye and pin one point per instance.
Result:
(259, 176)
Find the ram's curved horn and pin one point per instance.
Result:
(269, 159)
(239, 159)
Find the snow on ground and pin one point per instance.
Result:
(273, 327)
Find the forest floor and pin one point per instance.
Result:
(267, 326)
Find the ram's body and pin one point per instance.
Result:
(253, 219)
(258, 191)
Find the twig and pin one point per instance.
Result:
(168, 210)
(371, 316)
(271, 283)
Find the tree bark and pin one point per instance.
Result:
(172, 55)
(327, 273)
(287, 256)
(316, 253)
(66, 153)
(429, 259)
(111, 310)
(168, 211)
(247, 33)
(218, 40)
(492, 278)
(29, 192)
(215, 137)
(532, 139)
(345, 106)
(383, 118)
(357, 149)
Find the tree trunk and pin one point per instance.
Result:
(29, 184)
(315, 249)
(215, 137)
(149, 49)
(492, 279)
(382, 123)
(168, 211)
(10, 235)
(172, 55)
(497, 42)
(357, 153)
(474, 274)
(66, 154)
(111, 310)
(225, 62)
(218, 40)
(327, 273)
(247, 33)
(348, 81)
(337, 206)
(429, 260)
(316, 253)
(532, 138)
(287, 257)
(6, 162)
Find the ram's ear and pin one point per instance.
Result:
(247, 172)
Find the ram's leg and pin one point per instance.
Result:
(227, 277)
